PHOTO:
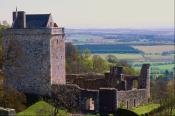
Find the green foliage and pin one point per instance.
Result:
(131, 71)
(77, 62)
(121, 105)
(145, 109)
(43, 109)
(11, 98)
(99, 64)
(1, 28)
(84, 62)
(111, 59)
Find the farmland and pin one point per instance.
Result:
(158, 62)
(154, 49)
(108, 48)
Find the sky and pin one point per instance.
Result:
(97, 13)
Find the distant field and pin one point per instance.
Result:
(160, 66)
(108, 48)
(140, 57)
(155, 48)
(123, 56)
(157, 62)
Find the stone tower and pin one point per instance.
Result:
(144, 80)
(33, 53)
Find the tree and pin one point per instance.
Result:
(86, 61)
(99, 64)
(2, 27)
(10, 97)
(72, 58)
(112, 59)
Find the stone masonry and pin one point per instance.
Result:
(34, 55)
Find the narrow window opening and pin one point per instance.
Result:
(127, 105)
(90, 104)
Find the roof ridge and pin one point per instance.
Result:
(37, 14)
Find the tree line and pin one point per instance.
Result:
(84, 62)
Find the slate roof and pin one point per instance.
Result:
(34, 21)
(37, 20)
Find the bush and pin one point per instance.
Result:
(11, 98)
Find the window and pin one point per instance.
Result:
(90, 104)
(134, 103)
(135, 84)
(127, 104)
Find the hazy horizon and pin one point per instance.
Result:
(98, 14)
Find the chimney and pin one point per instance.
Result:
(19, 19)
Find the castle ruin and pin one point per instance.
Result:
(34, 62)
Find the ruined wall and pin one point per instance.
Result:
(144, 80)
(87, 81)
(74, 98)
(107, 100)
(26, 55)
(87, 95)
(131, 98)
(103, 100)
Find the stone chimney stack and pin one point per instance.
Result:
(19, 18)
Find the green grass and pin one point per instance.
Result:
(41, 108)
(145, 109)
(173, 112)
(166, 67)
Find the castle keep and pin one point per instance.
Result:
(33, 53)
(34, 62)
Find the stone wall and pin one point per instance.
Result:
(26, 56)
(145, 78)
(104, 100)
(86, 104)
(131, 98)
(107, 100)
(7, 112)
(87, 81)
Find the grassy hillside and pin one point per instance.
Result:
(41, 108)
(145, 109)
